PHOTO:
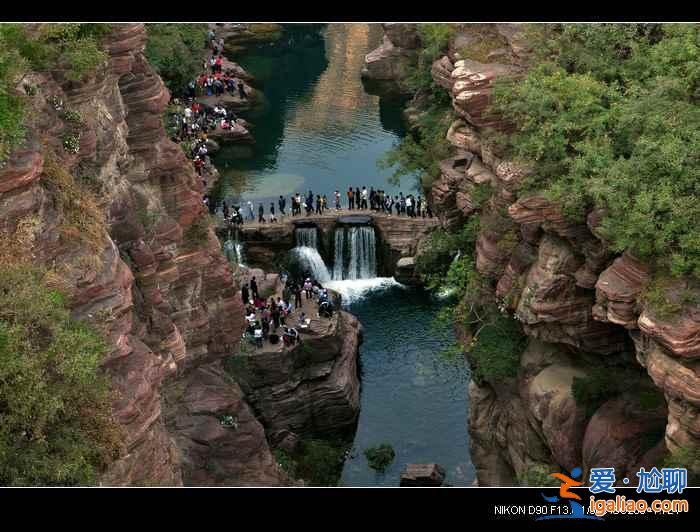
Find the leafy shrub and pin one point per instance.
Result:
(538, 476)
(175, 51)
(591, 391)
(56, 425)
(688, 458)
(71, 142)
(197, 233)
(657, 297)
(437, 255)
(83, 219)
(74, 48)
(379, 458)
(496, 348)
(318, 462)
(434, 41)
(420, 153)
(609, 116)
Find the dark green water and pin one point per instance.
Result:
(413, 397)
(321, 131)
(318, 129)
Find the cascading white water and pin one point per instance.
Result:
(312, 261)
(306, 253)
(338, 256)
(355, 253)
(233, 249)
(355, 261)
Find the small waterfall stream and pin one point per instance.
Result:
(233, 249)
(306, 253)
(355, 253)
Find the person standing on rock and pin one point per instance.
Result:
(282, 203)
(245, 295)
(365, 196)
(351, 199)
(251, 214)
(261, 214)
(337, 200)
(297, 296)
(309, 203)
(254, 288)
(308, 287)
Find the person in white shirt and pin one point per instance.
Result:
(258, 334)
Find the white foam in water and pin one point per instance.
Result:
(312, 261)
(353, 290)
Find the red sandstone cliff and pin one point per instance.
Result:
(577, 301)
(168, 305)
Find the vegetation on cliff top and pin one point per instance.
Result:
(56, 425)
(609, 115)
(74, 50)
(421, 151)
(176, 51)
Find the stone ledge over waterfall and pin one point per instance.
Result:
(397, 238)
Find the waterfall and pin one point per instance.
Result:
(233, 249)
(338, 257)
(355, 253)
(306, 253)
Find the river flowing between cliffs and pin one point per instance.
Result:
(319, 130)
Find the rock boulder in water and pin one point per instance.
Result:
(423, 475)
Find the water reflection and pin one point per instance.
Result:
(318, 130)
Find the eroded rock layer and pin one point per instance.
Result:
(582, 305)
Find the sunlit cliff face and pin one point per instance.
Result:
(337, 95)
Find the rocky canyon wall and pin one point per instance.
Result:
(151, 276)
(578, 302)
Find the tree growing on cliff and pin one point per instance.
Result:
(609, 116)
(176, 51)
(56, 425)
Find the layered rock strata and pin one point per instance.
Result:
(147, 270)
(581, 305)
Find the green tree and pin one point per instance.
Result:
(56, 425)
(609, 116)
(176, 51)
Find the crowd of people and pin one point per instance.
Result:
(265, 317)
(360, 200)
(192, 121)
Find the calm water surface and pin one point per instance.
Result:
(413, 397)
(320, 131)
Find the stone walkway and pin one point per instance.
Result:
(328, 215)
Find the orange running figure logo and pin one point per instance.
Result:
(567, 483)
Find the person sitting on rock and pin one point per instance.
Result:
(258, 333)
(291, 336)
